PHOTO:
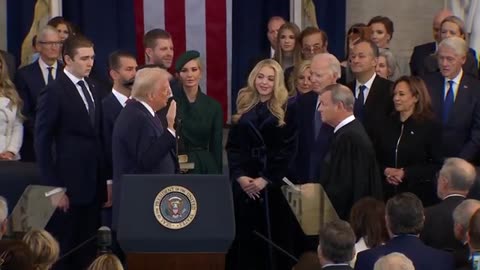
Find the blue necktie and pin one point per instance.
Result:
(358, 108)
(50, 75)
(317, 121)
(448, 103)
(91, 107)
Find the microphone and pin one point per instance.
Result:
(104, 240)
(275, 246)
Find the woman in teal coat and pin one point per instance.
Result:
(200, 118)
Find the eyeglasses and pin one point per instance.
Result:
(51, 43)
(312, 49)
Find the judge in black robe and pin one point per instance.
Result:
(350, 171)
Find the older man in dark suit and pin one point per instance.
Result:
(31, 79)
(456, 101)
(336, 245)
(69, 151)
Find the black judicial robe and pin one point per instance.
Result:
(350, 171)
(258, 147)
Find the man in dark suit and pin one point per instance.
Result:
(421, 52)
(461, 221)
(11, 63)
(122, 68)
(453, 183)
(404, 218)
(373, 98)
(70, 152)
(350, 171)
(336, 245)
(456, 101)
(140, 144)
(31, 79)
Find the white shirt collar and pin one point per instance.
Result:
(122, 99)
(272, 52)
(72, 77)
(150, 109)
(334, 264)
(454, 195)
(457, 78)
(344, 123)
(369, 83)
(44, 65)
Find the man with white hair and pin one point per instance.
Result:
(394, 261)
(3, 216)
(461, 219)
(456, 101)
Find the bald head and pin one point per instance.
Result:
(394, 261)
(151, 86)
(437, 21)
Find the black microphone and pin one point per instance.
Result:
(104, 240)
(275, 246)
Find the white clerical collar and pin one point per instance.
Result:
(150, 109)
(122, 99)
(344, 123)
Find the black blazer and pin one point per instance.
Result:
(378, 106)
(111, 110)
(11, 63)
(337, 267)
(418, 154)
(461, 133)
(419, 54)
(68, 146)
(438, 228)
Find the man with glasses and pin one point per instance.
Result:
(31, 79)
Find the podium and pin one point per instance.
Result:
(175, 221)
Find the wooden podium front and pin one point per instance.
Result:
(176, 261)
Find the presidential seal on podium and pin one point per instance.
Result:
(175, 207)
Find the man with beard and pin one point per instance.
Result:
(122, 69)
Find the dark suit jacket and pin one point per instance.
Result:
(423, 257)
(419, 54)
(68, 146)
(311, 151)
(29, 82)
(430, 64)
(461, 133)
(438, 229)
(11, 63)
(337, 267)
(378, 106)
(111, 110)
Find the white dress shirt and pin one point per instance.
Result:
(122, 99)
(368, 84)
(44, 68)
(75, 81)
(456, 84)
(11, 128)
(344, 123)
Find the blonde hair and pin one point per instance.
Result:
(297, 71)
(7, 88)
(44, 247)
(147, 81)
(106, 262)
(297, 55)
(248, 96)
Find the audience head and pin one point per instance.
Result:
(288, 44)
(152, 86)
(158, 48)
(451, 55)
(386, 65)
(122, 67)
(265, 84)
(358, 31)
(300, 78)
(474, 232)
(48, 44)
(452, 26)
(363, 58)
(336, 104)
(455, 177)
(44, 248)
(382, 31)
(437, 22)
(325, 70)
(461, 218)
(336, 243)
(15, 255)
(3, 215)
(106, 262)
(404, 214)
(274, 24)
(189, 69)
(367, 219)
(313, 41)
(63, 27)
(394, 261)
(410, 96)
(78, 55)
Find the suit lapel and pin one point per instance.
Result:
(372, 93)
(38, 82)
(75, 100)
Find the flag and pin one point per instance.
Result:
(204, 26)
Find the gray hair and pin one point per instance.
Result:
(394, 261)
(3, 209)
(391, 61)
(147, 81)
(333, 63)
(464, 212)
(459, 173)
(455, 43)
(45, 31)
(337, 241)
(343, 94)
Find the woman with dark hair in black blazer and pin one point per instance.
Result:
(408, 143)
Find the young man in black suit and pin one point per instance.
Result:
(373, 98)
(31, 79)
(336, 245)
(70, 153)
(456, 101)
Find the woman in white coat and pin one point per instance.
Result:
(11, 119)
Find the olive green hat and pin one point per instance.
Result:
(185, 58)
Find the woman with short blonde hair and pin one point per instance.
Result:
(44, 247)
